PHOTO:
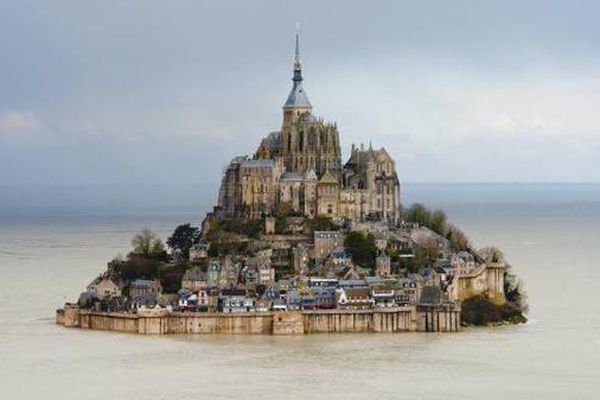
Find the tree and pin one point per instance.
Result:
(419, 214)
(426, 254)
(492, 255)
(147, 243)
(438, 222)
(361, 247)
(458, 240)
(182, 240)
(320, 223)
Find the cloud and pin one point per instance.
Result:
(112, 91)
(18, 121)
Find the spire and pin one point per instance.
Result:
(297, 56)
(297, 97)
(297, 62)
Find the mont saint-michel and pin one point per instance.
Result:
(301, 242)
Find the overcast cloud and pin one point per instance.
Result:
(155, 92)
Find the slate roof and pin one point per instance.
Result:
(297, 97)
(272, 140)
(261, 163)
(143, 283)
(327, 234)
(292, 177)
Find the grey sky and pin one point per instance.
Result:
(155, 92)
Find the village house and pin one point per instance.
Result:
(235, 301)
(383, 296)
(141, 287)
(104, 288)
(145, 300)
(193, 280)
(383, 265)
(327, 241)
(213, 273)
(407, 291)
(357, 299)
(300, 259)
(199, 252)
(340, 257)
(324, 297)
(293, 300)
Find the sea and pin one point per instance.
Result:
(55, 239)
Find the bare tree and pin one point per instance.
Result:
(147, 242)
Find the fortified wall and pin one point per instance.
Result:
(162, 322)
(488, 280)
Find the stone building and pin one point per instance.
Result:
(299, 169)
(326, 242)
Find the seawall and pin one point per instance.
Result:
(161, 322)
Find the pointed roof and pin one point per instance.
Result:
(297, 97)
(311, 175)
(328, 178)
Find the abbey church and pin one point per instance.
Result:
(299, 169)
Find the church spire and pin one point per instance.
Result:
(297, 62)
(297, 97)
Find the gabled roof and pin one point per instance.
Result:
(311, 175)
(328, 178)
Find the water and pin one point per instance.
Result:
(550, 233)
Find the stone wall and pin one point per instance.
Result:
(438, 320)
(161, 322)
(488, 280)
(398, 319)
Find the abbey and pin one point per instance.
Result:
(299, 170)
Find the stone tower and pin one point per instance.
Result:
(307, 143)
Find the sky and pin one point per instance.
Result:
(153, 92)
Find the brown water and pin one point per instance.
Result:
(551, 234)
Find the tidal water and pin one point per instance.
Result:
(53, 241)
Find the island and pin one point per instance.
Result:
(300, 243)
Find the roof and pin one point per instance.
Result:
(357, 292)
(193, 276)
(143, 283)
(233, 292)
(339, 252)
(147, 298)
(297, 97)
(373, 280)
(327, 234)
(311, 175)
(328, 178)
(272, 140)
(352, 283)
(292, 177)
(261, 163)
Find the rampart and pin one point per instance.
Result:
(162, 322)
